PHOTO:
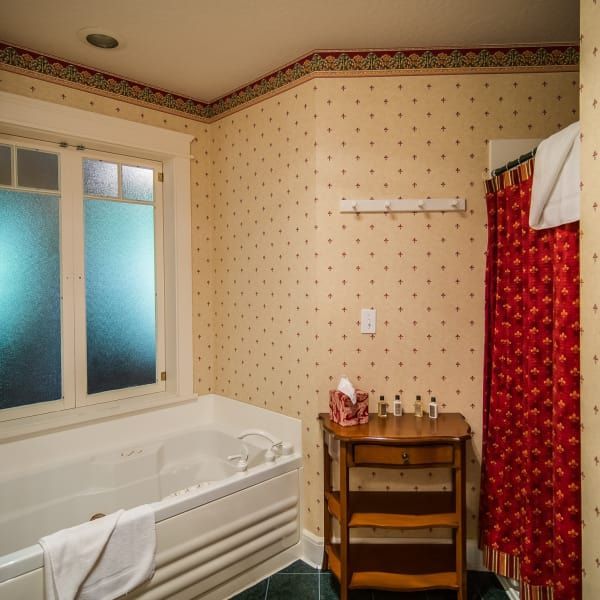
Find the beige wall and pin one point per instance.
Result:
(291, 273)
(590, 293)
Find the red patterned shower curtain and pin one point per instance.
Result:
(530, 506)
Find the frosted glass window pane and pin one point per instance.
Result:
(100, 178)
(5, 165)
(138, 183)
(30, 337)
(120, 295)
(37, 169)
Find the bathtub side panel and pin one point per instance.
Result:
(29, 586)
(209, 545)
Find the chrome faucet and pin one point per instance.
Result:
(278, 447)
(241, 460)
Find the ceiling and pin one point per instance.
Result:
(206, 48)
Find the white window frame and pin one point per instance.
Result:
(37, 119)
(67, 401)
(83, 398)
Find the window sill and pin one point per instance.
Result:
(46, 423)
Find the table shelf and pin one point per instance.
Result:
(405, 443)
(397, 510)
(399, 567)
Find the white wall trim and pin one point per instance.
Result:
(56, 121)
(52, 122)
(474, 556)
(178, 276)
(312, 549)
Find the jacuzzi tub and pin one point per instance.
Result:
(213, 521)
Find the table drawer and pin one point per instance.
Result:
(376, 454)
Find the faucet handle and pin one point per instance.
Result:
(282, 448)
(285, 448)
(241, 462)
(237, 457)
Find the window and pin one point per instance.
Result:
(31, 118)
(81, 278)
(30, 287)
(120, 282)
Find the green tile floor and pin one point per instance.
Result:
(300, 581)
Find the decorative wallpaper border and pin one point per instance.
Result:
(34, 64)
(315, 64)
(393, 62)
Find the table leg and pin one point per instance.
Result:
(344, 531)
(461, 534)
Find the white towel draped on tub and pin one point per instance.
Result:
(102, 559)
(555, 188)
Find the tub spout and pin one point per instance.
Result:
(260, 433)
(278, 447)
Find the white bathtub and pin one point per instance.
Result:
(213, 522)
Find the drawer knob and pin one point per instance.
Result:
(405, 457)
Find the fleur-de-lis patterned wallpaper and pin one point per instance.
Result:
(290, 273)
(590, 294)
(280, 275)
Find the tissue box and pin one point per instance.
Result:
(344, 413)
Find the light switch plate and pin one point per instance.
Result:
(368, 320)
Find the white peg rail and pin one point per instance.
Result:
(407, 205)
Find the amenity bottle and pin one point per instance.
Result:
(433, 408)
(382, 407)
(397, 406)
(418, 407)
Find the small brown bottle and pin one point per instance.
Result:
(382, 407)
(418, 407)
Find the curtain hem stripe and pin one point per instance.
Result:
(507, 565)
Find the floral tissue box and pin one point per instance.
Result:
(344, 413)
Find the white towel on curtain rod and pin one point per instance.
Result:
(555, 188)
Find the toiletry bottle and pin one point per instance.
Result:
(382, 407)
(397, 406)
(433, 408)
(418, 407)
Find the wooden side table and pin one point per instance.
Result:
(405, 442)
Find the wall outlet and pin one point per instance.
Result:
(368, 320)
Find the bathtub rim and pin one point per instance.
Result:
(31, 557)
(75, 458)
